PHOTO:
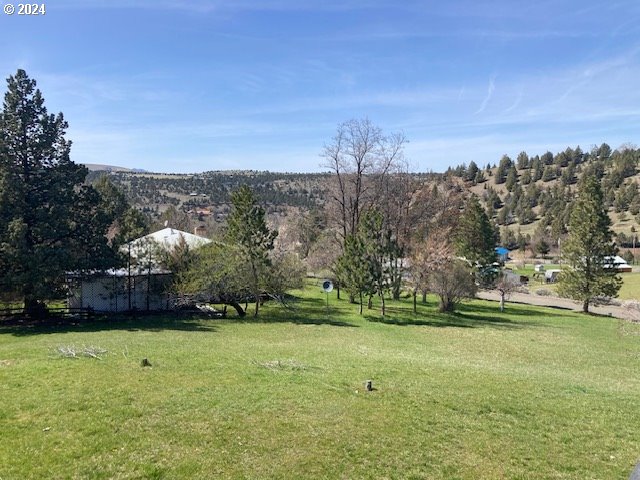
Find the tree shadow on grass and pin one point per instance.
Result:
(518, 309)
(466, 316)
(152, 322)
(300, 311)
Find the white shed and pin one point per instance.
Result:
(118, 290)
(551, 275)
(142, 287)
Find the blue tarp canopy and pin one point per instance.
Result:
(502, 251)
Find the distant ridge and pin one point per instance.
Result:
(95, 167)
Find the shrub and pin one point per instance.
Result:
(452, 282)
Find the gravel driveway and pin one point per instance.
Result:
(557, 302)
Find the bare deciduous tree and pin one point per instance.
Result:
(360, 156)
(398, 188)
(429, 255)
(505, 286)
(452, 282)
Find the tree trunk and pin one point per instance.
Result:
(33, 307)
(446, 305)
(396, 291)
(424, 296)
(585, 306)
(337, 291)
(502, 302)
(383, 305)
(415, 301)
(255, 314)
(239, 309)
(370, 303)
(360, 303)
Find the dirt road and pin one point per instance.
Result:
(557, 302)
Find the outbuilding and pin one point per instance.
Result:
(142, 285)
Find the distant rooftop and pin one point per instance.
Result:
(168, 238)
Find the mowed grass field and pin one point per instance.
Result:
(528, 394)
(630, 289)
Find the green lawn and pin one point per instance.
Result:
(630, 287)
(630, 282)
(531, 393)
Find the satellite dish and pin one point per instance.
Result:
(327, 286)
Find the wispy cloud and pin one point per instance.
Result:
(487, 98)
(515, 104)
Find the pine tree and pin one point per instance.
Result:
(589, 249)
(522, 161)
(247, 229)
(50, 222)
(382, 251)
(475, 236)
(471, 171)
(352, 269)
(503, 169)
(512, 179)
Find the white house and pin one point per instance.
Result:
(619, 263)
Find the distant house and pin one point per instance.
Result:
(142, 286)
(502, 253)
(619, 263)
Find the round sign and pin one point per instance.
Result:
(327, 286)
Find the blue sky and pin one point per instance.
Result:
(196, 85)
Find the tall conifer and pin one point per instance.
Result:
(589, 250)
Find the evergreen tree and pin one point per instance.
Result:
(378, 252)
(50, 222)
(475, 236)
(131, 225)
(547, 158)
(512, 179)
(589, 249)
(549, 174)
(368, 262)
(503, 168)
(479, 178)
(522, 161)
(247, 229)
(471, 171)
(352, 269)
(538, 167)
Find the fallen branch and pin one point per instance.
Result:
(71, 351)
